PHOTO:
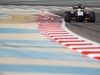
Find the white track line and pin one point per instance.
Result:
(67, 30)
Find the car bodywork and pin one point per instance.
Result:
(79, 14)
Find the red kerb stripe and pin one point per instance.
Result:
(73, 41)
(98, 58)
(87, 48)
(65, 38)
(79, 44)
(89, 52)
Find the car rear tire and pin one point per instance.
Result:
(67, 16)
(92, 17)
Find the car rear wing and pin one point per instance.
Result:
(77, 7)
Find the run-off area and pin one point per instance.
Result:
(24, 51)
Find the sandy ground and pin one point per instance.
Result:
(18, 19)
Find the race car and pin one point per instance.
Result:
(79, 14)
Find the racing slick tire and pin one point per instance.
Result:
(67, 16)
(91, 17)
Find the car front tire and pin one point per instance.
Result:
(67, 16)
(91, 17)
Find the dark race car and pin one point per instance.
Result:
(79, 15)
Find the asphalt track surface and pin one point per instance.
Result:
(90, 3)
(88, 30)
(85, 29)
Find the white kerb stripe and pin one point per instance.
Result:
(71, 42)
(54, 30)
(57, 32)
(81, 50)
(82, 46)
(94, 55)
(64, 37)
(68, 39)
(75, 43)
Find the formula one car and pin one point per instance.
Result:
(79, 14)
